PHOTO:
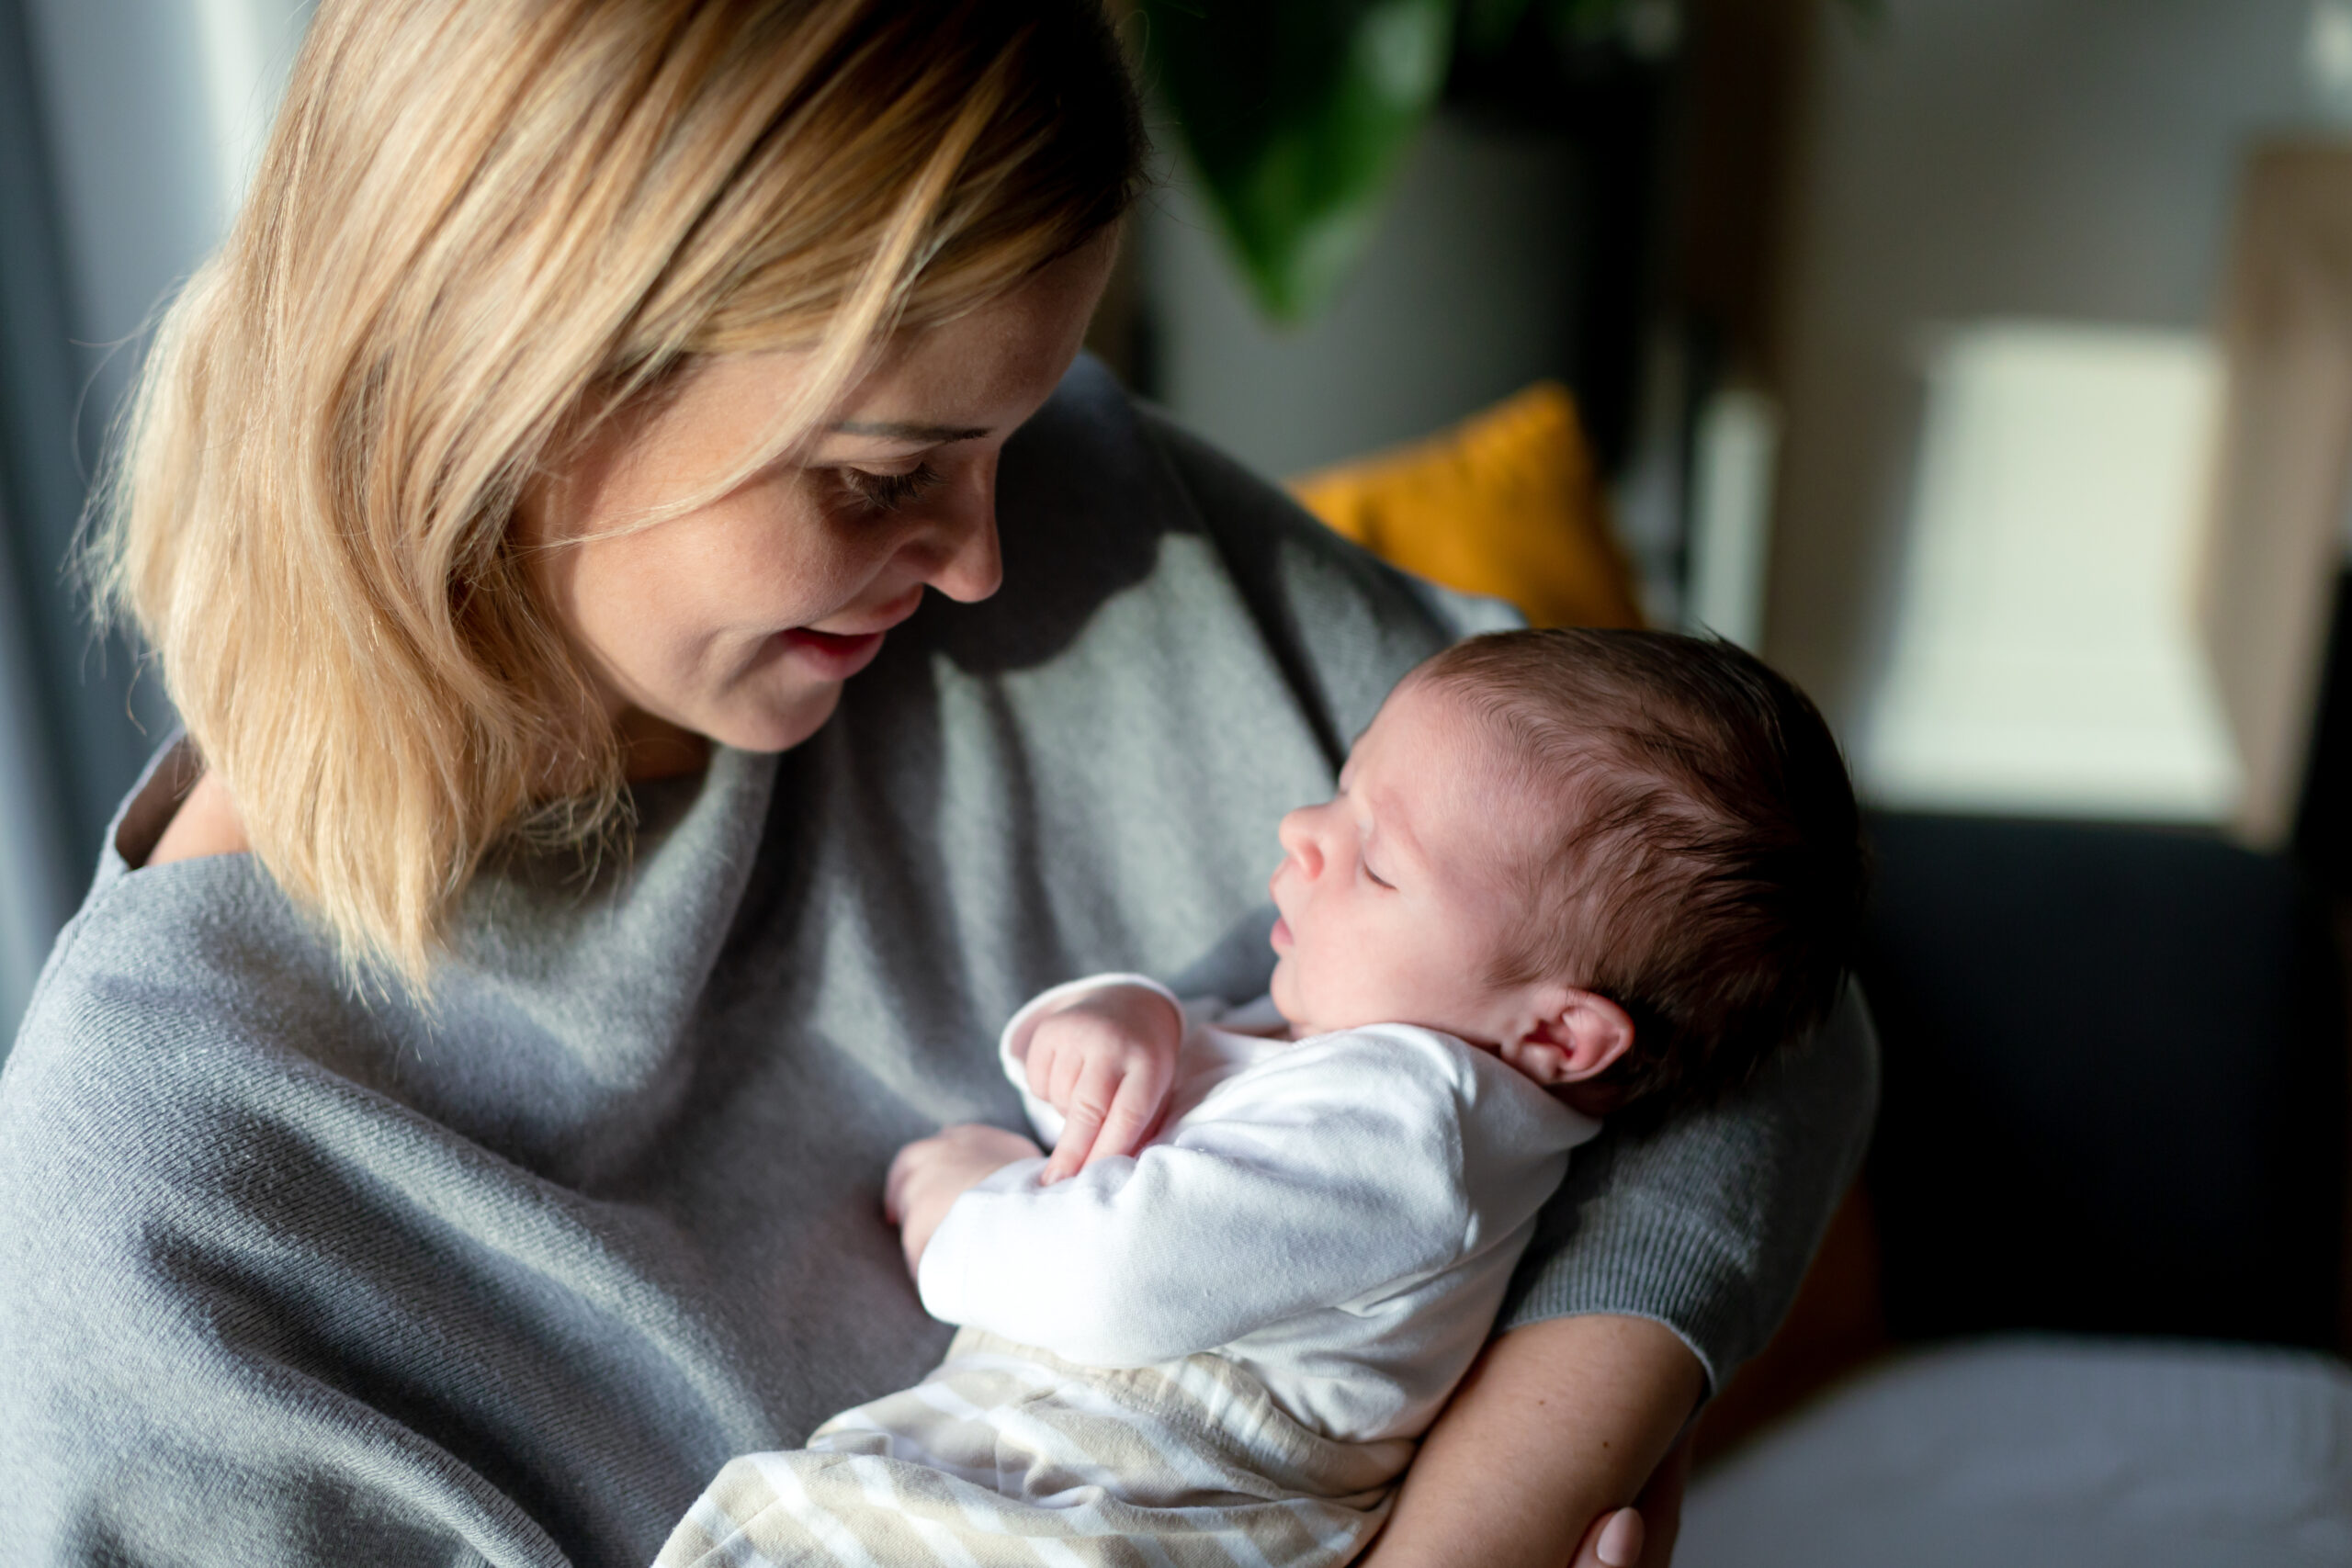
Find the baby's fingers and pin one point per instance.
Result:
(1089, 1104)
(1043, 1059)
(1134, 1110)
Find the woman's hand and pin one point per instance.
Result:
(1626, 1538)
(1558, 1426)
(1105, 1062)
(931, 1173)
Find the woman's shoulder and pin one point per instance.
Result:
(1114, 473)
(162, 962)
(169, 1058)
(1107, 504)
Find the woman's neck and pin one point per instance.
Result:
(656, 748)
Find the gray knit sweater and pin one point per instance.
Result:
(288, 1276)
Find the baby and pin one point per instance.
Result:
(1566, 873)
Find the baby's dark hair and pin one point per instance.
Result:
(1707, 869)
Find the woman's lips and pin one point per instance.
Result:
(834, 654)
(837, 656)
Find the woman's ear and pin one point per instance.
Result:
(1571, 1036)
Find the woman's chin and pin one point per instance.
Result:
(777, 724)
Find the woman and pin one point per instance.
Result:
(452, 1126)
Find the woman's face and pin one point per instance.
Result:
(739, 621)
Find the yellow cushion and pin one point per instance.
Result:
(1506, 503)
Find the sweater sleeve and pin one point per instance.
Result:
(1704, 1225)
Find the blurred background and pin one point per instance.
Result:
(1986, 365)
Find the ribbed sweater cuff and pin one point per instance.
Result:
(1668, 1266)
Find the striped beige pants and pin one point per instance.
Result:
(1006, 1456)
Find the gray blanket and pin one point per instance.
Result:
(290, 1276)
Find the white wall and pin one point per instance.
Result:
(2070, 160)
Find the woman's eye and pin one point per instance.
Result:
(874, 493)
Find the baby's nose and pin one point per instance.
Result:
(1297, 836)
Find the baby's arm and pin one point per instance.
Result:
(1178, 1250)
(1558, 1425)
(1329, 1176)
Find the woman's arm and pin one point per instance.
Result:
(1707, 1223)
(1557, 1424)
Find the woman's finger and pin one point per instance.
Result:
(1615, 1540)
(1620, 1544)
(1661, 1504)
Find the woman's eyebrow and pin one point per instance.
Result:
(901, 430)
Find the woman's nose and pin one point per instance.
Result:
(969, 565)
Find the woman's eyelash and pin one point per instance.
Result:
(887, 492)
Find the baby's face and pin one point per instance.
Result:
(1395, 898)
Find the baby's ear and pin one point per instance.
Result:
(1572, 1036)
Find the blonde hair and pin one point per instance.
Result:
(479, 227)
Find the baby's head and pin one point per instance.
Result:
(1625, 859)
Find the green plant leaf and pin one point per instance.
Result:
(1584, 18)
(1297, 114)
(1489, 24)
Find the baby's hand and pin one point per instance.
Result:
(1105, 1061)
(931, 1173)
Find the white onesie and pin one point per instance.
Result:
(1224, 1343)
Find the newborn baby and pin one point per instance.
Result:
(1565, 873)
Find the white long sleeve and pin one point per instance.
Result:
(1141, 1260)
(1304, 1209)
